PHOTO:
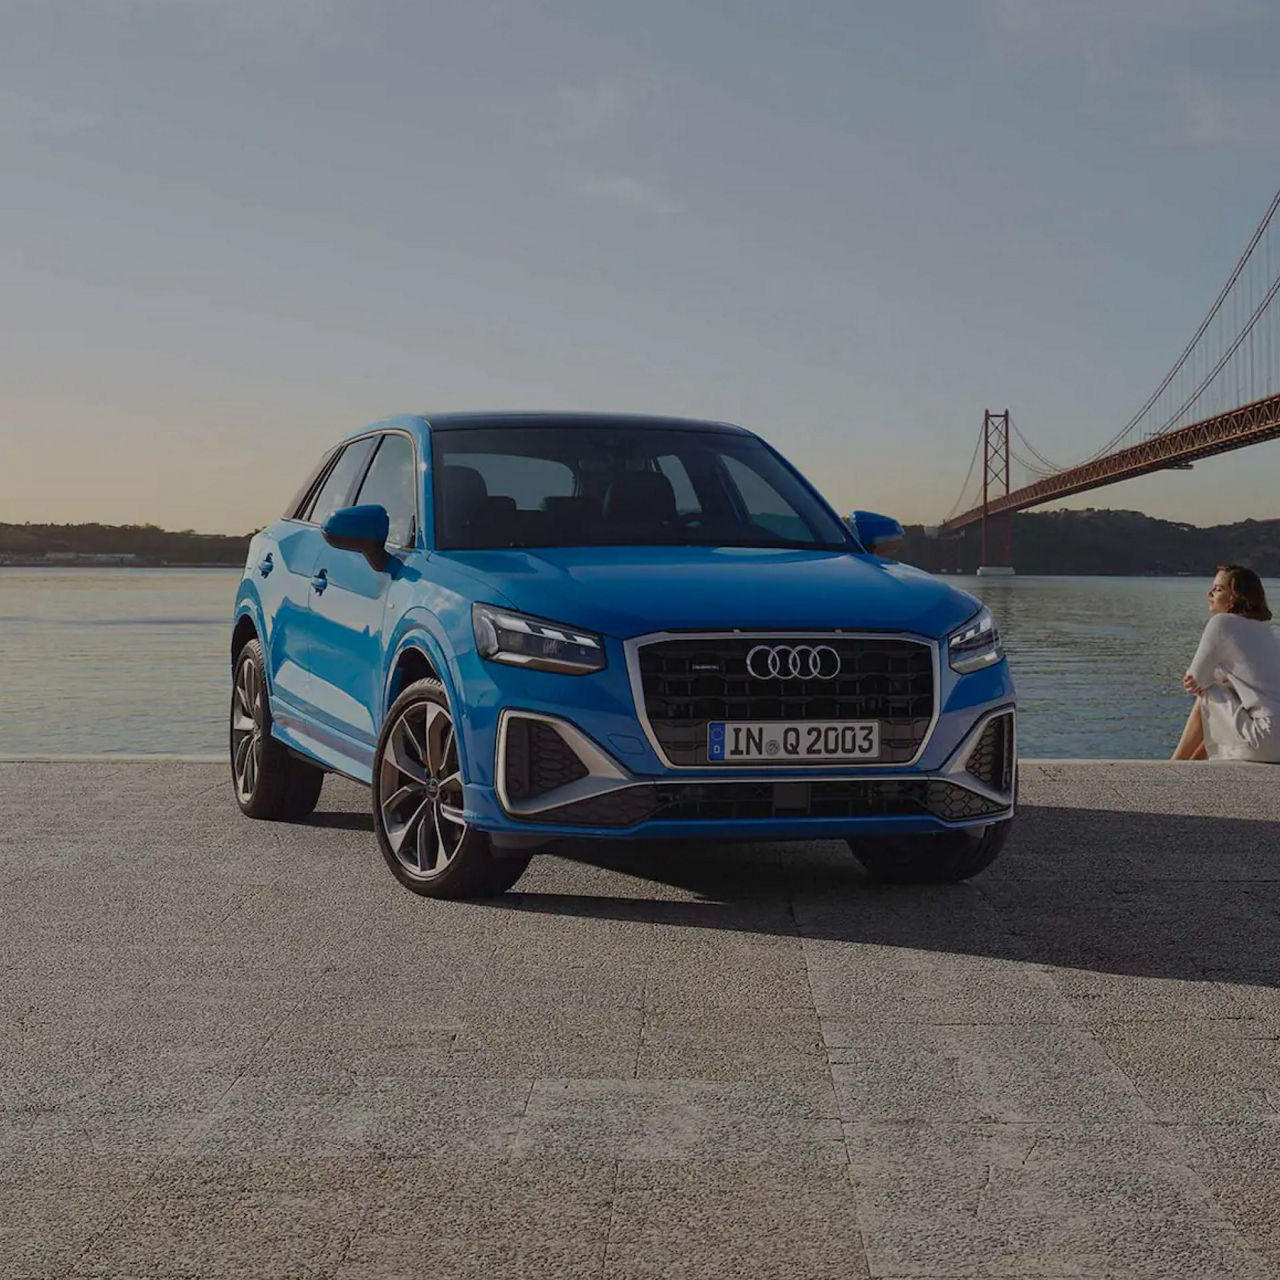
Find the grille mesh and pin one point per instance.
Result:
(991, 761)
(537, 759)
(688, 683)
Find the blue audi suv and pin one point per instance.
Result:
(519, 629)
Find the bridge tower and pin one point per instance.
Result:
(995, 472)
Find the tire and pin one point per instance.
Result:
(416, 774)
(268, 781)
(945, 858)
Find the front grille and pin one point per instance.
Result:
(537, 759)
(688, 683)
(708, 801)
(991, 761)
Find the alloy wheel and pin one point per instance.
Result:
(420, 791)
(248, 713)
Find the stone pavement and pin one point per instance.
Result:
(230, 1048)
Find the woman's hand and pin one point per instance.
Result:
(1190, 685)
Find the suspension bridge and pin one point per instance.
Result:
(1222, 393)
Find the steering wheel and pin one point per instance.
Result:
(691, 520)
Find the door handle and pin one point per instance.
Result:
(268, 563)
(320, 581)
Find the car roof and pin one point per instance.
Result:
(424, 424)
(508, 419)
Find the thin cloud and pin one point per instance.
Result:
(587, 113)
(1104, 35)
(582, 113)
(1208, 116)
(625, 192)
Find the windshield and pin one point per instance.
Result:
(630, 486)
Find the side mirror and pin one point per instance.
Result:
(881, 535)
(362, 529)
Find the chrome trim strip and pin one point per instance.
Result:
(631, 648)
(604, 774)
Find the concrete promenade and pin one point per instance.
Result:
(238, 1049)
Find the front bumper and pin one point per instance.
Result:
(552, 780)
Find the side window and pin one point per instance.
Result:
(341, 480)
(686, 499)
(391, 482)
(301, 500)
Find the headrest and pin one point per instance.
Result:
(462, 490)
(637, 497)
(568, 515)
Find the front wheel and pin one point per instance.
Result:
(944, 858)
(418, 804)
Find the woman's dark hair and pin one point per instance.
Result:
(1245, 590)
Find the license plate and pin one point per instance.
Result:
(784, 742)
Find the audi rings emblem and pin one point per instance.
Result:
(793, 662)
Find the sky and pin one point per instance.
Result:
(237, 229)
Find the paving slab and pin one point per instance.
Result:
(231, 1048)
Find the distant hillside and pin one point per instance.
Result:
(1083, 542)
(1104, 542)
(143, 544)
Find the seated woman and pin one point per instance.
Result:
(1235, 676)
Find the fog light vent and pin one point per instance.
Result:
(991, 761)
(537, 759)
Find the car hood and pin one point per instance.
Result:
(627, 591)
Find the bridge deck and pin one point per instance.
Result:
(1250, 424)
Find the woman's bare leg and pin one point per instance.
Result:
(1191, 744)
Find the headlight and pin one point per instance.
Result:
(522, 641)
(976, 644)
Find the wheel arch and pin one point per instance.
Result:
(411, 664)
(245, 629)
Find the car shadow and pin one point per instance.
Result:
(340, 820)
(1147, 894)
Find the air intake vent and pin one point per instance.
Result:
(537, 759)
(991, 761)
(762, 801)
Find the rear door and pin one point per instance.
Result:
(349, 614)
(282, 575)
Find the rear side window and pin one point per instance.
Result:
(296, 510)
(341, 480)
(392, 483)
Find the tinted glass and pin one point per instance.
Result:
(528, 482)
(340, 481)
(391, 483)
(767, 506)
(301, 500)
(609, 486)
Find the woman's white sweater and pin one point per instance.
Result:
(1237, 664)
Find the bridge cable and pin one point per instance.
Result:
(1231, 350)
(1053, 466)
(1195, 337)
(964, 488)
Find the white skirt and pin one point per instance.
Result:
(1232, 731)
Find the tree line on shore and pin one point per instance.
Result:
(147, 543)
(1079, 542)
(1123, 543)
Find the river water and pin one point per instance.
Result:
(136, 660)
